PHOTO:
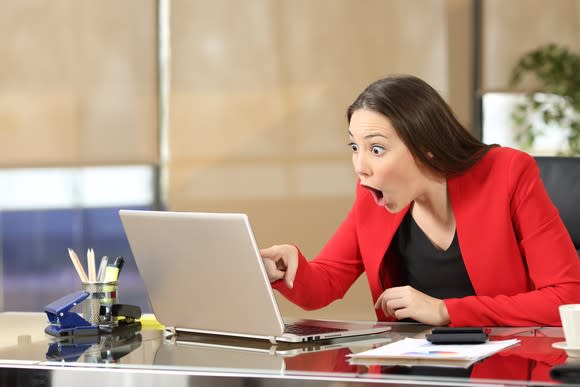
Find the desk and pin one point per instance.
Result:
(149, 358)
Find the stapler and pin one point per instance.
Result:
(63, 322)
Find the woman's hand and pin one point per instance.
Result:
(281, 262)
(407, 302)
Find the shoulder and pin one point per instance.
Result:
(504, 157)
(515, 166)
(502, 163)
(499, 173)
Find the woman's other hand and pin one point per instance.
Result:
(281, 262)
(406, 302)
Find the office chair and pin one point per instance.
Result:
(561, 176)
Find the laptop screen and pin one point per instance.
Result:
(203, 271)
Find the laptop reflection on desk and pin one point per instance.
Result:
(221, 352)
(203, 273)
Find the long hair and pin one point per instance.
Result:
(424, 122)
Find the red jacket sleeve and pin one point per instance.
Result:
(328, 276)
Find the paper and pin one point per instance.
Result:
(419, 351)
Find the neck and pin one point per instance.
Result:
(435, 202)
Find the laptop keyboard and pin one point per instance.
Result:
(308, 330)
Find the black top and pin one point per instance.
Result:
(438, 273)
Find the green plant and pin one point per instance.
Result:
(556, 103)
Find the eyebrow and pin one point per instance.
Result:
(371, 135)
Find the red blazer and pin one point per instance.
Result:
(517, 252)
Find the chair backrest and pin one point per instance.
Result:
(561, 176)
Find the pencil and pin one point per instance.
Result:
(91, 265)
(77, 265)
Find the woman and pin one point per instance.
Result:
(449, 231)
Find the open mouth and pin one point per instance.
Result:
(377, 195)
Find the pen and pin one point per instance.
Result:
(77, 264)
(102, 267)
(119, 262)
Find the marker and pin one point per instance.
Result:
(119, 262)
(113, 269)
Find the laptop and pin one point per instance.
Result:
(203, 273)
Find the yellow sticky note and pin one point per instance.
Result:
(148, 320)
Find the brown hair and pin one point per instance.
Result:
(424, 122)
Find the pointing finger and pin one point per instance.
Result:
(271, 252)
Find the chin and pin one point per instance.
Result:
(395, 208)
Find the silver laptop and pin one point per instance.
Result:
(203, 273)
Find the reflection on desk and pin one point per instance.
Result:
(530, 360)
(226, 352)
(106, 349)
(27, 348)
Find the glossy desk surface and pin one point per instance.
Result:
(150, 357)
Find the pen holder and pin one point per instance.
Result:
(101, 294)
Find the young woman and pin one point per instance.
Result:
(448, 230)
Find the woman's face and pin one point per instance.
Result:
(383, 163)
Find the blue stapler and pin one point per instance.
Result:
(63, 322)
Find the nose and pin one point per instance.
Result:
(361, 167)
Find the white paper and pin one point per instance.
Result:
(419, 351)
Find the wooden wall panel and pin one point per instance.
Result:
(259, 93)
(78, 82)
(511, 28)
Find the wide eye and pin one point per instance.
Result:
(377, 150)
(353, 146)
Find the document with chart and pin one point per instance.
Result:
(421, 352)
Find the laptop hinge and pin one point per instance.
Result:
(169, 331)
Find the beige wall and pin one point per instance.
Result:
(77, 82)
(258, 100)
(460, 61)
(512, 28)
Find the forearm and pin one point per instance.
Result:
(534, 308)
(318, 283)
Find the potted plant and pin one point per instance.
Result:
(556, 104)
